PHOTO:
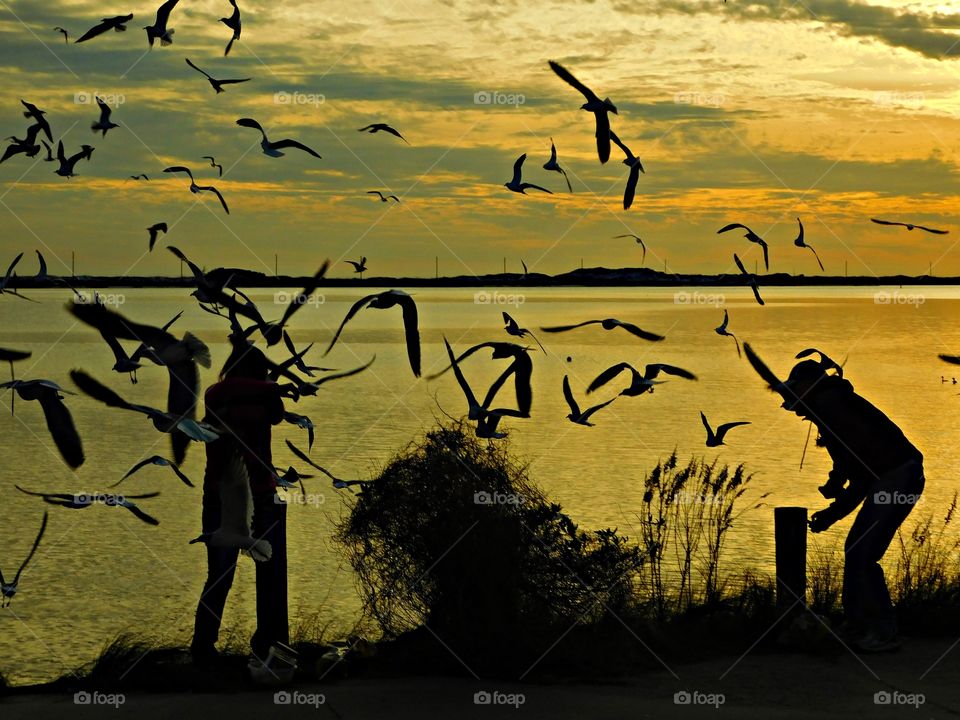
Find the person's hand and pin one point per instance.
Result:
(821, 521)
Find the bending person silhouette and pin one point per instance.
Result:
(244, 405)
(874, 467)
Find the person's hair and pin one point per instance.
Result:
(245, 361)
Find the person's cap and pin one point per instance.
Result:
(803, 375)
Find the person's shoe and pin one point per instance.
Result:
(874, 642)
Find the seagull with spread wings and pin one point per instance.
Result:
(636, 167)
(715, 439)
(233, 22)
(103, 123)
(55, 412)
(159, 462)
(750, 278)
(554, 166)
(800, 243)
(752, 237)
(578, 416)
(722, 330)
(382, 127)
(640, 242)
(79, 501)
(117, 24)
(516, 185)
(216, 84)
(639, 383)
(599, 108)
(159, 30)
(197, 189)
(272, 149)
(608, 324)
(384, 301)
(521, 368)
(9, 589)
(910, 226)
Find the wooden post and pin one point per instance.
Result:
(790, 533)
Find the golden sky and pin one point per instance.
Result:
(758, 112)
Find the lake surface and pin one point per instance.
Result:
(100, 572)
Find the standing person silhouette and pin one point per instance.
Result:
(873, 464)
(245, 406)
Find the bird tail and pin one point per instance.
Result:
(197, 349)
(260, 550)
(166, 38)
(95, 127)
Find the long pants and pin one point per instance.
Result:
(269, 523)
(866, 600)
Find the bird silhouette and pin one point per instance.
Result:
(599, 108)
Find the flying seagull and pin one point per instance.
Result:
(799, 242)
(521, 368)
(715, 439)
(59, 421)
(297, 357)
(639, 383)
(104, 123)
(46, 146)
(750, 278)
(554, 166)
(752, 237)
(636, 167)
(337, 482)
(118, 24)
(377, 127)
(67, 164)
(383, 301)
(232, 22)
(37, 115)
(910, 226)
(359, 267)
(520, 187)
(382, 198)
(513, 329)
(197, 189)
(273, 148)
(214, 163)
(141, 176)
(12, 356)
(5, 288)
(302, 422)
(236, 514)
(580, 417)
(722, 330)
(608, 324)
(63, 31)
(9, 589)
(643, 259)
(217, 85)
(155, 230)
(160, 462)
(79, 501)
(159, 30)
(599, 108)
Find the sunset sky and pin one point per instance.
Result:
(757, 112)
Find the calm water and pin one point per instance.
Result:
(100, 571)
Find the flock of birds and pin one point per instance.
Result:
(136, 345)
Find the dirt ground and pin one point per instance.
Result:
(919, 681)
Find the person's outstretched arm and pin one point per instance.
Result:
(847, 500)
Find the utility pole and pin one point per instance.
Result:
(845, 268)
(436, 266)
(581, 263)
(276, 264)
(504, 266)
(73, 271)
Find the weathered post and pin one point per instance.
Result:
(790, 536)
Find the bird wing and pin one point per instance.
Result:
(815, 255)
(163, 12)
(179, 473)
(202, 72)
(101, 392)
(736, 259)
(411, 332)
(94, 32)
(640, 332)
(179, 169)
(952, 359)
(211, 188)
(565, 328)
(61, 427)
(344, 374)
(631, 188)
(104, 111)
(354, 309)
(465, 354)
(43, 265)
(251, 123)
(13, 355)
(703, 419)
(568, 396)
(773, 382)
(553, 153)
(568, 78)
(461, 380)
(288, 143)
(654, 369)
(932, 230)
(518, 169)
(887, 222)
(609, 374)
(234, 81)
(307, 292)
(236, 500)
(33, 549)
(113, 323)
(604, 134)
(586, 416)
(756, 293)
(135, 468)
(132, 507)
(7, 277)
(733, 226)
(723, 429)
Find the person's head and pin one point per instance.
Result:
(801, 387)
(245, 361)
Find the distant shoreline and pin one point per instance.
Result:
(587, 277)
